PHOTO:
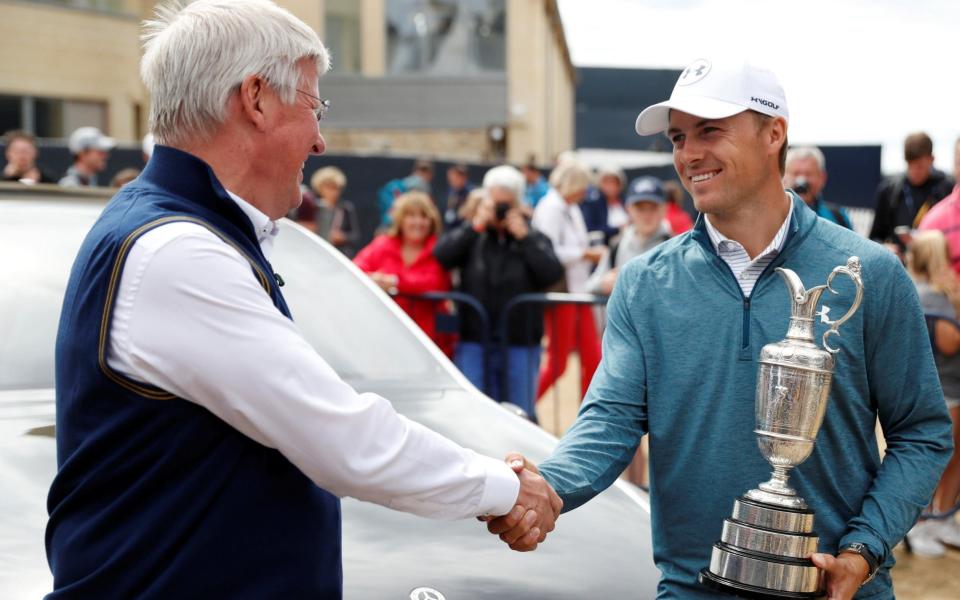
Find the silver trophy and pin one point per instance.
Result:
(763, 550)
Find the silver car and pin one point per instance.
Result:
(601, 550)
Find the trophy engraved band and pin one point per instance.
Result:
(763, 550)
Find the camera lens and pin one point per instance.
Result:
(501, 211)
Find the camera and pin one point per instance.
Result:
(801, 185)
(501, 210)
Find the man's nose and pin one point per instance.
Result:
(690, 152)
(319, 145)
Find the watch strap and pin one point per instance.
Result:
(872, 563)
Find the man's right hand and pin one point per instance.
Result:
(535, 513)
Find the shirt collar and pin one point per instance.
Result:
(84, 179)
(721, 242)
(265, 229)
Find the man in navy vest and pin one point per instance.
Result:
(202, 444)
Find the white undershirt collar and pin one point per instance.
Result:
(265, 229)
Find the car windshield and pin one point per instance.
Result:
(345, 320)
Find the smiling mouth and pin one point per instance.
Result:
(704, 176)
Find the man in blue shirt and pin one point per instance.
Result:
(537, 186)
(806, 175)
(686, 323)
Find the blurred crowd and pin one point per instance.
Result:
(521, 231)
(515, 232)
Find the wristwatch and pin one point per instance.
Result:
(872, 562)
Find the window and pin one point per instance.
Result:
(342, 34)
(50, 117)
(446, 37)
(10, 113)
(121, 7)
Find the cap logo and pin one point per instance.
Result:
(766, 103)
(696, 71)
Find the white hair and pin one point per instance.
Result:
(507, 178)
(195, 56)
(570, 176)
(611, 171)
(805, 152)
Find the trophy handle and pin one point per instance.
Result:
(851, 270)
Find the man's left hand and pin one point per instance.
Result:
(843, 573)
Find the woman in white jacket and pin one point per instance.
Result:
(569, 326)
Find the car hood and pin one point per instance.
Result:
(28, 462)
(601, 548)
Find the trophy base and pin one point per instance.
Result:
(763, 553)
(742, 590)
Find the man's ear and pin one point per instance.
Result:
(252, 95)
(777, 132)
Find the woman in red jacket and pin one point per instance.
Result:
(401, 262)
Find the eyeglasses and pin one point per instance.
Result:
(323, 106)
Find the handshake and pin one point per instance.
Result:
(535, 513)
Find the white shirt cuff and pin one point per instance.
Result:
(501, 488)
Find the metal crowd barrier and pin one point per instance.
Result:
(449, 323)
(636, 472)
(545, 300)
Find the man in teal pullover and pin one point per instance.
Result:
(685, 325)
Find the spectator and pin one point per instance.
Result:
(21, 155)
(470, 206)
(928, 263)
(646, 205)
(903, 200)
(806, 174)
(569, 326)
(418, 181)
(401, 261)
(328, 215)
(603, 211)
(90, 150)
(460, 188)
(945, 215)
(124, 176)
(501, 257)
(678, 218)
(536, 184)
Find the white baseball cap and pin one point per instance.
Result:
(715, 91)
(89, 138)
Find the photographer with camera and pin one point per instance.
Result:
(500, 257)
(806, 174)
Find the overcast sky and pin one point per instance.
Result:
(854, 71)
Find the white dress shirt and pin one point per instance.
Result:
(191, 318)
(563, 224)
(745, 269)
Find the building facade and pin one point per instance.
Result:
(471, 80)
